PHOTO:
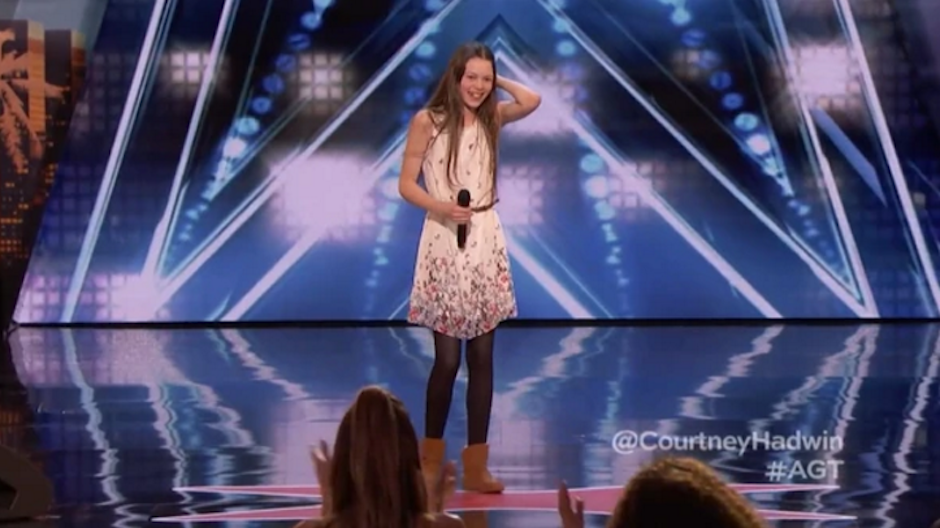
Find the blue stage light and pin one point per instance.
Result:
(234, 147)
(420, 73)
(681, 17)
(560, 26)
(285, 63)
(759, 144)
(610, 236)
(591, 163)
(604, 211)
(693, 38)
(597, 187)
(311, 21)
(732, 101)
(247, 126)
(721, 80)
(434, 5)
(298, 42)
(771, 166)
(261, 105)
(388, 211)
(322, 5)
(746, 122)
(565, 48)
(709, 59)
(273, 84)
(426, 50)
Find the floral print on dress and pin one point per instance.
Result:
(467, 292)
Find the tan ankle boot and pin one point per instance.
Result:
(432, 458)
(476, 475)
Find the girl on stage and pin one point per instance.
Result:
(461, 293)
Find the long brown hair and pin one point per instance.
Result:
(682, 492)
(376, 477)
(446, 108)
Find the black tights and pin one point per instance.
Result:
(479, 387)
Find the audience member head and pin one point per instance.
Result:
(376, 476)
(682, 492)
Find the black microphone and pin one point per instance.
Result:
(463, 200)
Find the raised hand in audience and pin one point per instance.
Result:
(323, 465)
(570, 517)
(443, 488)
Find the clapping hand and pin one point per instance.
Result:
(570, 518)
(323, 464)
(443, 488)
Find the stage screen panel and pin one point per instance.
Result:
(236, 160)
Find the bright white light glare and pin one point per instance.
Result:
(559, 101)
(234, 147)
(41, 294)
(521, 195)
(597, 187)
(326, 190)
(129, 297)
(759, 144)
(185, 69)
(825, 73)
(323, 78)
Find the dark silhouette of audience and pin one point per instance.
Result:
(374, 479)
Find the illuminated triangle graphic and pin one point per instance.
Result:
(463, 21)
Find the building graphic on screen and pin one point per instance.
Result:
(40, 74)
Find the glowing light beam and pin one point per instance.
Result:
(833, 284)
(263, 193)
(156, 31)
(644, 190)
(210, 71)
(832, 190)
(891, 155)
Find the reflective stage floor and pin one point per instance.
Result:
(213, 426)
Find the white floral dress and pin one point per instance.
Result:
(462, 293)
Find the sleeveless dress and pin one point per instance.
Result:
(462, 293)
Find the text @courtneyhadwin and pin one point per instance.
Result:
(627, 442)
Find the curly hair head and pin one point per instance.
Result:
(682, 492)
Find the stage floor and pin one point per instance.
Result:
(214, 425)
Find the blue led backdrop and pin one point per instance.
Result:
(691, 159)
